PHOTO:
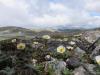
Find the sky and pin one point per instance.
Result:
(50, 13)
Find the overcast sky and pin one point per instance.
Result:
(50, 13)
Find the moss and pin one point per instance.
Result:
(67, 72)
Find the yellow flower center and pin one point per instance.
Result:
(21, 46)
(61, 49)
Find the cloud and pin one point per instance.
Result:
(57, 7)
(14, 13)
(54, 16)
(50, 13)
(51, 20)
(93, 5)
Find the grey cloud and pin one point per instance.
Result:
(35, 13)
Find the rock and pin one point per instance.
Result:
(0, 52)
(57, 66)
(60, 66)
(37, 46)
(91, 36)
(80, 71)
(79, 52)
(90, 68)
(53, 43)
(83, 44)
(47, 57)
(73, 62)
(50, 64)
(95, 52)
(51, 49)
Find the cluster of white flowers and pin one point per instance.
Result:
(13, 40)
(70, 47)
(74, 39)
(77, 35)
(72, 43)
(65, 39)
(59, 40)
(46, 37)
(87, 38)
(34, 62)
(35, 43)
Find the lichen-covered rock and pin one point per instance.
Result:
(79, 52)
(90, 68)
(56, 66)
(95, 52)
(91, 36)
(73, 62)
(80, 71)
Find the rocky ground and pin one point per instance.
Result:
(75, 54)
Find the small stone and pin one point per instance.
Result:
(60, 66)
(95, 52)
(80, 71)
(73, 62)
(79, 52)
(57, 66)
(47, 57)
(90, 68)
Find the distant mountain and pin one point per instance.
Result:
(12, 31)
(73, 29)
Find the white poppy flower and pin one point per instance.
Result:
(97, 58)
(61, 49)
